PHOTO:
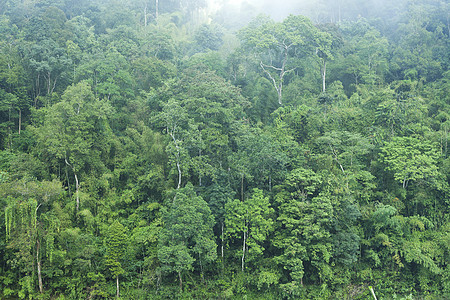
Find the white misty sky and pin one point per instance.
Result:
(278, 9)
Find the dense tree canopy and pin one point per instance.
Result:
(173, 150)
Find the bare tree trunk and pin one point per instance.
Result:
(38, 246)
(20, 119)
(77, 186)
(156, 8)
(68, 181)
(270, 182)
(117, 284)
(243, 252)
(221, 248)
(242, 187)
(324, 73)
(278, 86)
(181, 281)
(178, 160)
(339, 22)
(373, 292)
(448, 22)
(145, 15)
(282, 71)
(54, 85)
(37, 91)
(222, 242)
(49, 82)
(77, 189)
(199, 172)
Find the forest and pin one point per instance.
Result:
(194, 149)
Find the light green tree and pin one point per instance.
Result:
(115, 242)
(410, 159)
(252, 221)
(74, 132)
(187, 234)
(278, 45)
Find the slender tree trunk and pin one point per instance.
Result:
(49, 82)
(20, 119)
(145, 15)
(324, 73)
(199, 172)
(156, 8)
(54, 85)
(339, 22)
(202, 275)
(68, 181)
(37, 91)
(242, 187)
(117, 285)
(38, 246)
(282, 71)
(181, 281)
(222, 242)
(77, 190)
(243, 251)
(270, 182)
(177, 156)
(373, 292)
(77, 186)
(280, 87)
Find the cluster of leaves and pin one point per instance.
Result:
(146, 155)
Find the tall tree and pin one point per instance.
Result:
(116, 243)
(74, 132)
(30, 223)
(252, 220)
(277, 45)
(187, 234)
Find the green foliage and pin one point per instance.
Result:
(251, 219)
(410, 159)
(127, 128)
(208, 37)
(186, 237)
(115, 243)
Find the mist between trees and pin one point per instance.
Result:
(224, 150)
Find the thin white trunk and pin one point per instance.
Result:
(242, 187)
(41, 288)
(20, 119)
(117, 284)
(177, 156)
(38, 90)
(336, 159)
(156, 8)
(181, 281)
(77, 190)
(222, 242)
(405, 182)
(77, 186)
(324, 73)
(54, 85)
(49, 82)
(200, 172)
(373, 292)
(145, 15)
(282, 72)
(339, 22)
(270, 182)
(243, 252)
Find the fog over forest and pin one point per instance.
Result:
(319, 11)
(224, 149)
